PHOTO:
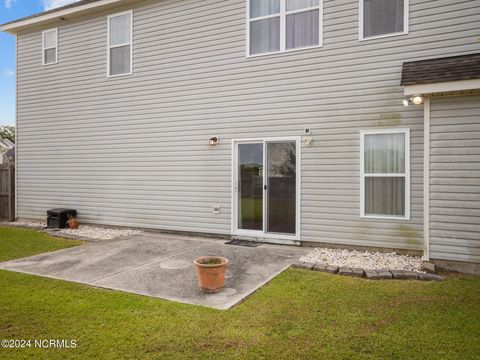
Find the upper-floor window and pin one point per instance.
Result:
(379, 18)
(49, 46)
(283, 25)
(120, 44)
(385, 173)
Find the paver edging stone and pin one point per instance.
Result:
(378, 274)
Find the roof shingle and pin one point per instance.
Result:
(454, 68)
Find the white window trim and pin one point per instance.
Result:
(406, 174)
(130, 12)
(283, 28)
(51, 47)
(406, 16)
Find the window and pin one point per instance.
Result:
(49, 46)
(379, 18)
(385, 174)
(120, 44)
(283, 25)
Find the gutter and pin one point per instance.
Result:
(70, 10)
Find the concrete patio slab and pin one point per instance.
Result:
(161, 266)
(94, 260)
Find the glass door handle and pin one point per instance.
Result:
(264, 187)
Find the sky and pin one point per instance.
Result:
(12, 10)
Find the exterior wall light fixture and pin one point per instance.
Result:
(415, 100)
(307, 139)
(213, 141)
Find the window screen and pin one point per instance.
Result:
(49, 46)
(120, 44)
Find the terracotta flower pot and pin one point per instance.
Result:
(72, 223)
(211, 272)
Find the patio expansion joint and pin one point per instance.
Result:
(91, 282)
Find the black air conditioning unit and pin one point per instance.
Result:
(57, 218)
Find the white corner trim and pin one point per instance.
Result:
(445, 86)
(426, 180)
(16, 129)
(15, 26)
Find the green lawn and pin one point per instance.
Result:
(299, 315)
(16, 243)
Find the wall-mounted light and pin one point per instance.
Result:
(415, 100)
(213, 141)
(307, 139)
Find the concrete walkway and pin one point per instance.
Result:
(161, 266)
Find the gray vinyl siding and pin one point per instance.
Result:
(455, 179)
(133, 150)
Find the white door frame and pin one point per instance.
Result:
(257, 234)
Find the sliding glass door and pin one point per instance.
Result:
(281, 189)
(250, 186)
(266, 188)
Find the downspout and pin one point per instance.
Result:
(426, 180)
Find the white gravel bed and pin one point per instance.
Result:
(98, 233)
(364, 260)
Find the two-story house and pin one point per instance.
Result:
(333, 123)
